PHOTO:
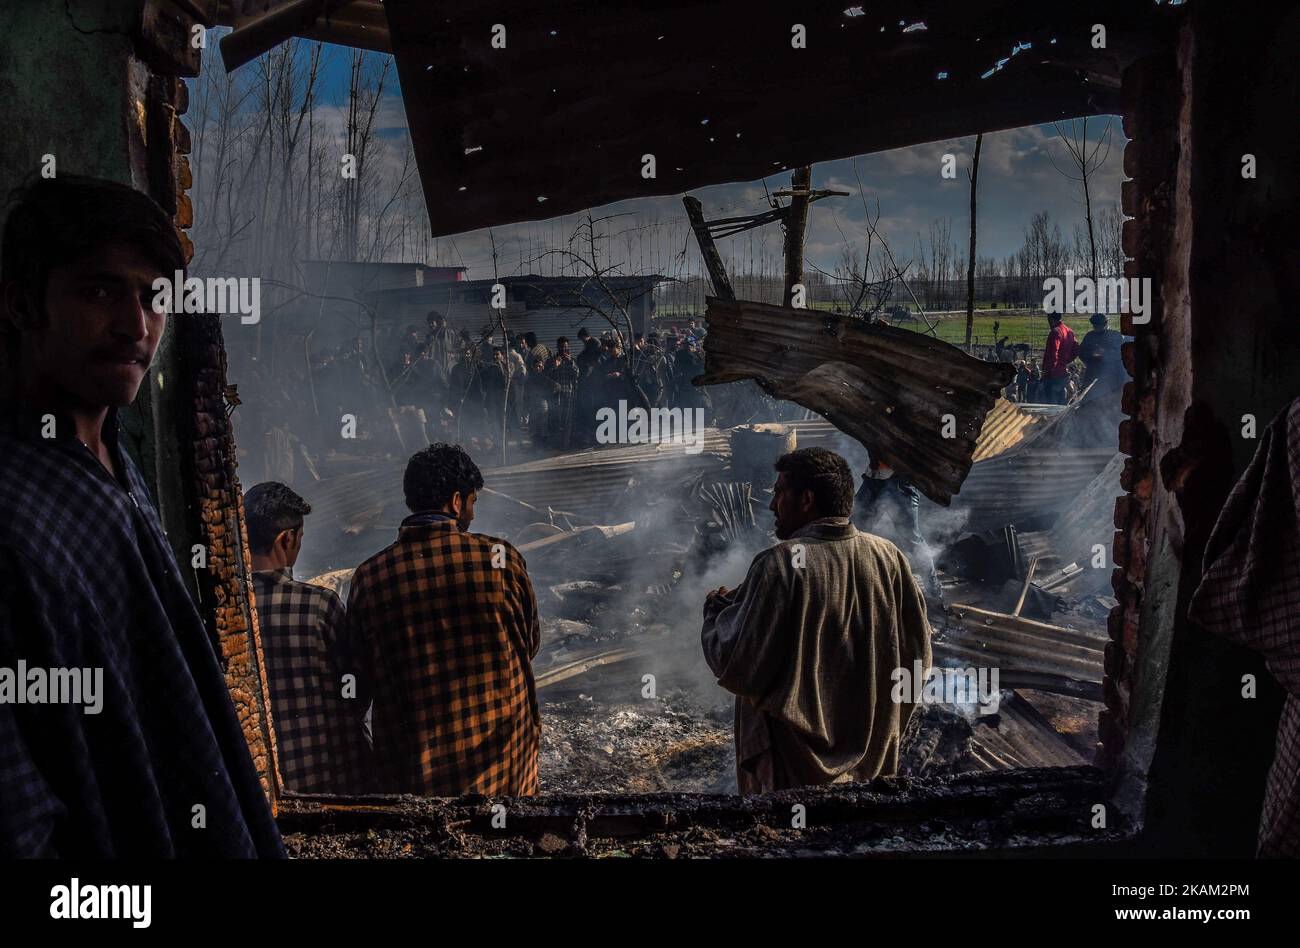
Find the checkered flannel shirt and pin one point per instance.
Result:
(1250, 593)
(88, 580)
(318, 730)
(448, 639)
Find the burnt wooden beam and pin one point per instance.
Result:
(350, 23)
(1021, 809)
(708, 249)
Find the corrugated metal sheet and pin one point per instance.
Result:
(599, 478)
(1004, 427)
(895, 391)
(1027, 483)
(1027, 654)
(1091, 518)
(1021, 738)
(585, 481)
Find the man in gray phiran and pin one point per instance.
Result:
(809, 642)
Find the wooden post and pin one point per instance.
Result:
(796, 219)
(712, 259)
(1029, 578)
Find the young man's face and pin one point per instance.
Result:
(462, 507)
(793, 508)
(100, 331)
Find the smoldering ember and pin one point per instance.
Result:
(611, 435)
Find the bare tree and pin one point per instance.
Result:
(863, 281)
(1110, 241)
(582, 252)
(365, 91)
(1085, 157)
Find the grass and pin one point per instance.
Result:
(1019, 325)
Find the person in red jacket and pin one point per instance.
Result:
(1060, 351)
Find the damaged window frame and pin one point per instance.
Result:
(1054, 807)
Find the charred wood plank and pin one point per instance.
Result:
(708, 250)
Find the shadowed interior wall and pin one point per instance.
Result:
(1221, 250)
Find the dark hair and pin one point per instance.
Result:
(437, 472)
(561, 341)
(584, 332)
(824, 473)
(434, 314)
(53, 222)
(270, 508)
(531, 339)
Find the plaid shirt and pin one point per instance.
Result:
(1250, 593)
(87, 580)
(318, 731)
(447, 639)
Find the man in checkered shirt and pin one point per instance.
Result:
(315, 707)
(87, 576)
(1250, 594)
(446, 624)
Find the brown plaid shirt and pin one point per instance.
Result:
(1250, 593)
(447, 639)
(318, 730)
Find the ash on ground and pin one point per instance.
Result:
(677, 741)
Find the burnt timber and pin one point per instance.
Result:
(1011, 811)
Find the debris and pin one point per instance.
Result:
(553, 676)
(1096, 607)
(580, 536)
(991, 556)
(755, 448)
(1029, 578)
(1027, 653)
(898, 392)
(1029, 601)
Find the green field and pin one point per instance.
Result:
(1019, 325)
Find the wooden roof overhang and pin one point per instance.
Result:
(561, 118)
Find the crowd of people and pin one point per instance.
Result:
(1068, 368)
(440, 383)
